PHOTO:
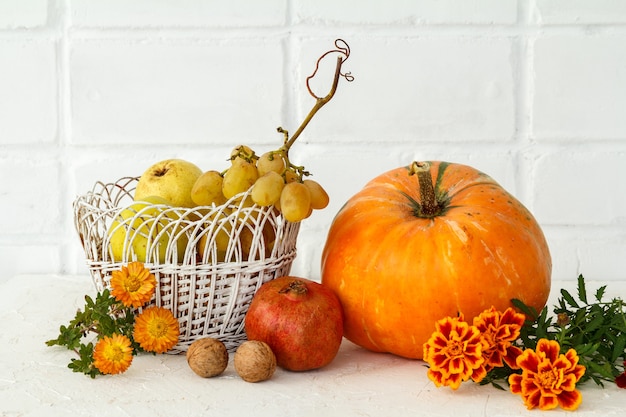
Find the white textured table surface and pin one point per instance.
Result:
(35, 380)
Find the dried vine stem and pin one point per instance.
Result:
(342, 48)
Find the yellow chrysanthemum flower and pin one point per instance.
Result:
(113, 355)
(133, 285)
(156, 330)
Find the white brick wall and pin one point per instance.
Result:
(532, 92)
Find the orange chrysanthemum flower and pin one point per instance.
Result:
(133, 285)
(499, 331)
(548, 379)
(156, 330)
(454, 353)
(113, 355)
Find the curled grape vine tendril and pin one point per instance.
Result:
(341, 48)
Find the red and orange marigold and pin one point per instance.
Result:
(548, 378)
(499, 331)
(454, 353)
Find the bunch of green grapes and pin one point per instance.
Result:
(273, 181)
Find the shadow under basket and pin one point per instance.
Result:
(208, 261)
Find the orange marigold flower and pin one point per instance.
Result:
(499, 331)
(548, 379)
(133, 285)
(454, 353)
(156, 330)
(113, 355)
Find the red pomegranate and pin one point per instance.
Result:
(301, 320)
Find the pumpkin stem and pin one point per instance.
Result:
(429, 206)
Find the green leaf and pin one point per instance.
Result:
(543, 324)
(89, 303)
(582, 290)
(529, 312)
(568, 297)
(619, 348)
(498, 374)
(102, 316)
(498, 386)
(594, 322)
(586, 349)
(603, 371)
(596, 330)
(85, 362)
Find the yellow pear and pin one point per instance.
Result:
(232, 227)
(218, 237)
(246, 238)
(220, 241)
(137, 230)
(171, 179)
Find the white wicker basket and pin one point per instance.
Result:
(208, 290)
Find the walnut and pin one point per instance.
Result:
(207, 357)
(255, 361)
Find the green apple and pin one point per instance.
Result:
(171, 179)
(136, 228)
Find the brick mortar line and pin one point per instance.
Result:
(522, 69)
(72, 151)
(64, 129)
(389, 29)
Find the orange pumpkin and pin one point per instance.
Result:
(427, 241)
